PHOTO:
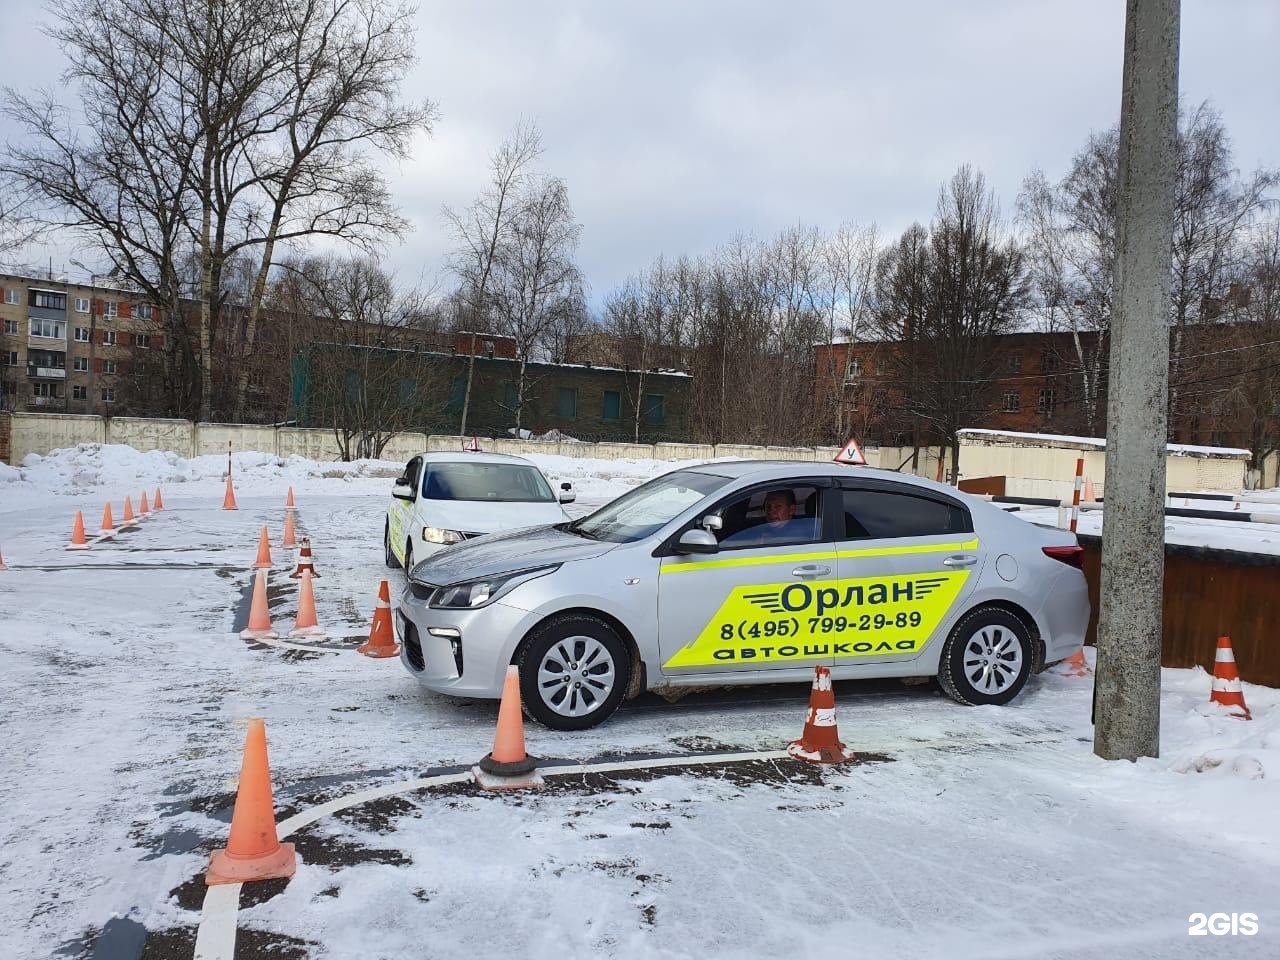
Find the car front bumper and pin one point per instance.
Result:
(464, 653)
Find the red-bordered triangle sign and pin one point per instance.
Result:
(851, 453)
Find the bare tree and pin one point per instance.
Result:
(364, 376)
(943, 295)
(484, 227)
(842, 299)
(536, 283)
(214, 130)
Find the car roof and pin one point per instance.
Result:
(765, 470)
(464, 457)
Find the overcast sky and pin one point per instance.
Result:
(678, 124)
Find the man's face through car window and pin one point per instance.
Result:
(779, 507)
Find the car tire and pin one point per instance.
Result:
(987, 658)
(603, 654)
(390, 557)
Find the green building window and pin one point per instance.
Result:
(653, 413)
(612, 406)
(568, 407)
(407, 389)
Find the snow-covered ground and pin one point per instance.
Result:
(981, 832)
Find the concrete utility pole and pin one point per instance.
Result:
(1127, 691)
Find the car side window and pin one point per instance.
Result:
(772, 516)
(880, 514)
(413, 472)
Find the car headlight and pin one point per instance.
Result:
(438, 535)
(477, 593)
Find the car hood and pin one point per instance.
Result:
(484, 516)
(508, 552)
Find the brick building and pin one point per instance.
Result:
(74, 348)
(1039, 388)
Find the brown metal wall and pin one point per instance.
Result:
(1208, 594)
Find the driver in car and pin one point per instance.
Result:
(781, 524)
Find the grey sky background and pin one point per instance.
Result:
(679, 124)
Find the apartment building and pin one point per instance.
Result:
(73, 347)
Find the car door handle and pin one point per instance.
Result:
(811, 570)
(960, 561)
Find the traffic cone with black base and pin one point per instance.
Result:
(253, 850)
(305, 566)
(820, 742)
(1227, 690)
(508, 766)
(382, 639)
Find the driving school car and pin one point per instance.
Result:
(445, 498)
(740, 573)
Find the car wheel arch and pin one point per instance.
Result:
(1028, 621)
(638, 681)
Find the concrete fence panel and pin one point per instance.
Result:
(173, 436)
(311, 443)
(608, 450)
(42, 432)
(683, 451)
(405, 446)
(212, 438)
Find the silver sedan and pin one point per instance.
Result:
(742, 573)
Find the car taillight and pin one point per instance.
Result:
(1071, 556)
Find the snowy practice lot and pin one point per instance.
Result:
(959, 832)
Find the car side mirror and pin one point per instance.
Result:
(712, 522)
(402, 490)
(566, 485)
(567, 496)
(697, 541)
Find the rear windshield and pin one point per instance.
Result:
(494, 482)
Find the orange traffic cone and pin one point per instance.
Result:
(820, 742)
(142, 504)
(264, 552)
(2, 566)
(306, 624)
(259, 627)
(128, 517)
(78, 542)
(289, 542)
(305, 566)
(382, 641)
(253, 850)
(288, 500)
(508, 766)
(108, 524)
(158, 504)
(229, 498)
(1226, 681)
(1076, 665)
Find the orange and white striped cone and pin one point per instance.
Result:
(1227, 690)
(382, 639)
(305, 566)
(288, 500)
(820, 742)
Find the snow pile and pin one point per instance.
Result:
(89, 466)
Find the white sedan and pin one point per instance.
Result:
(446, 498)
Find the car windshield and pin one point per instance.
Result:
(493, 482)
(648, 508)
